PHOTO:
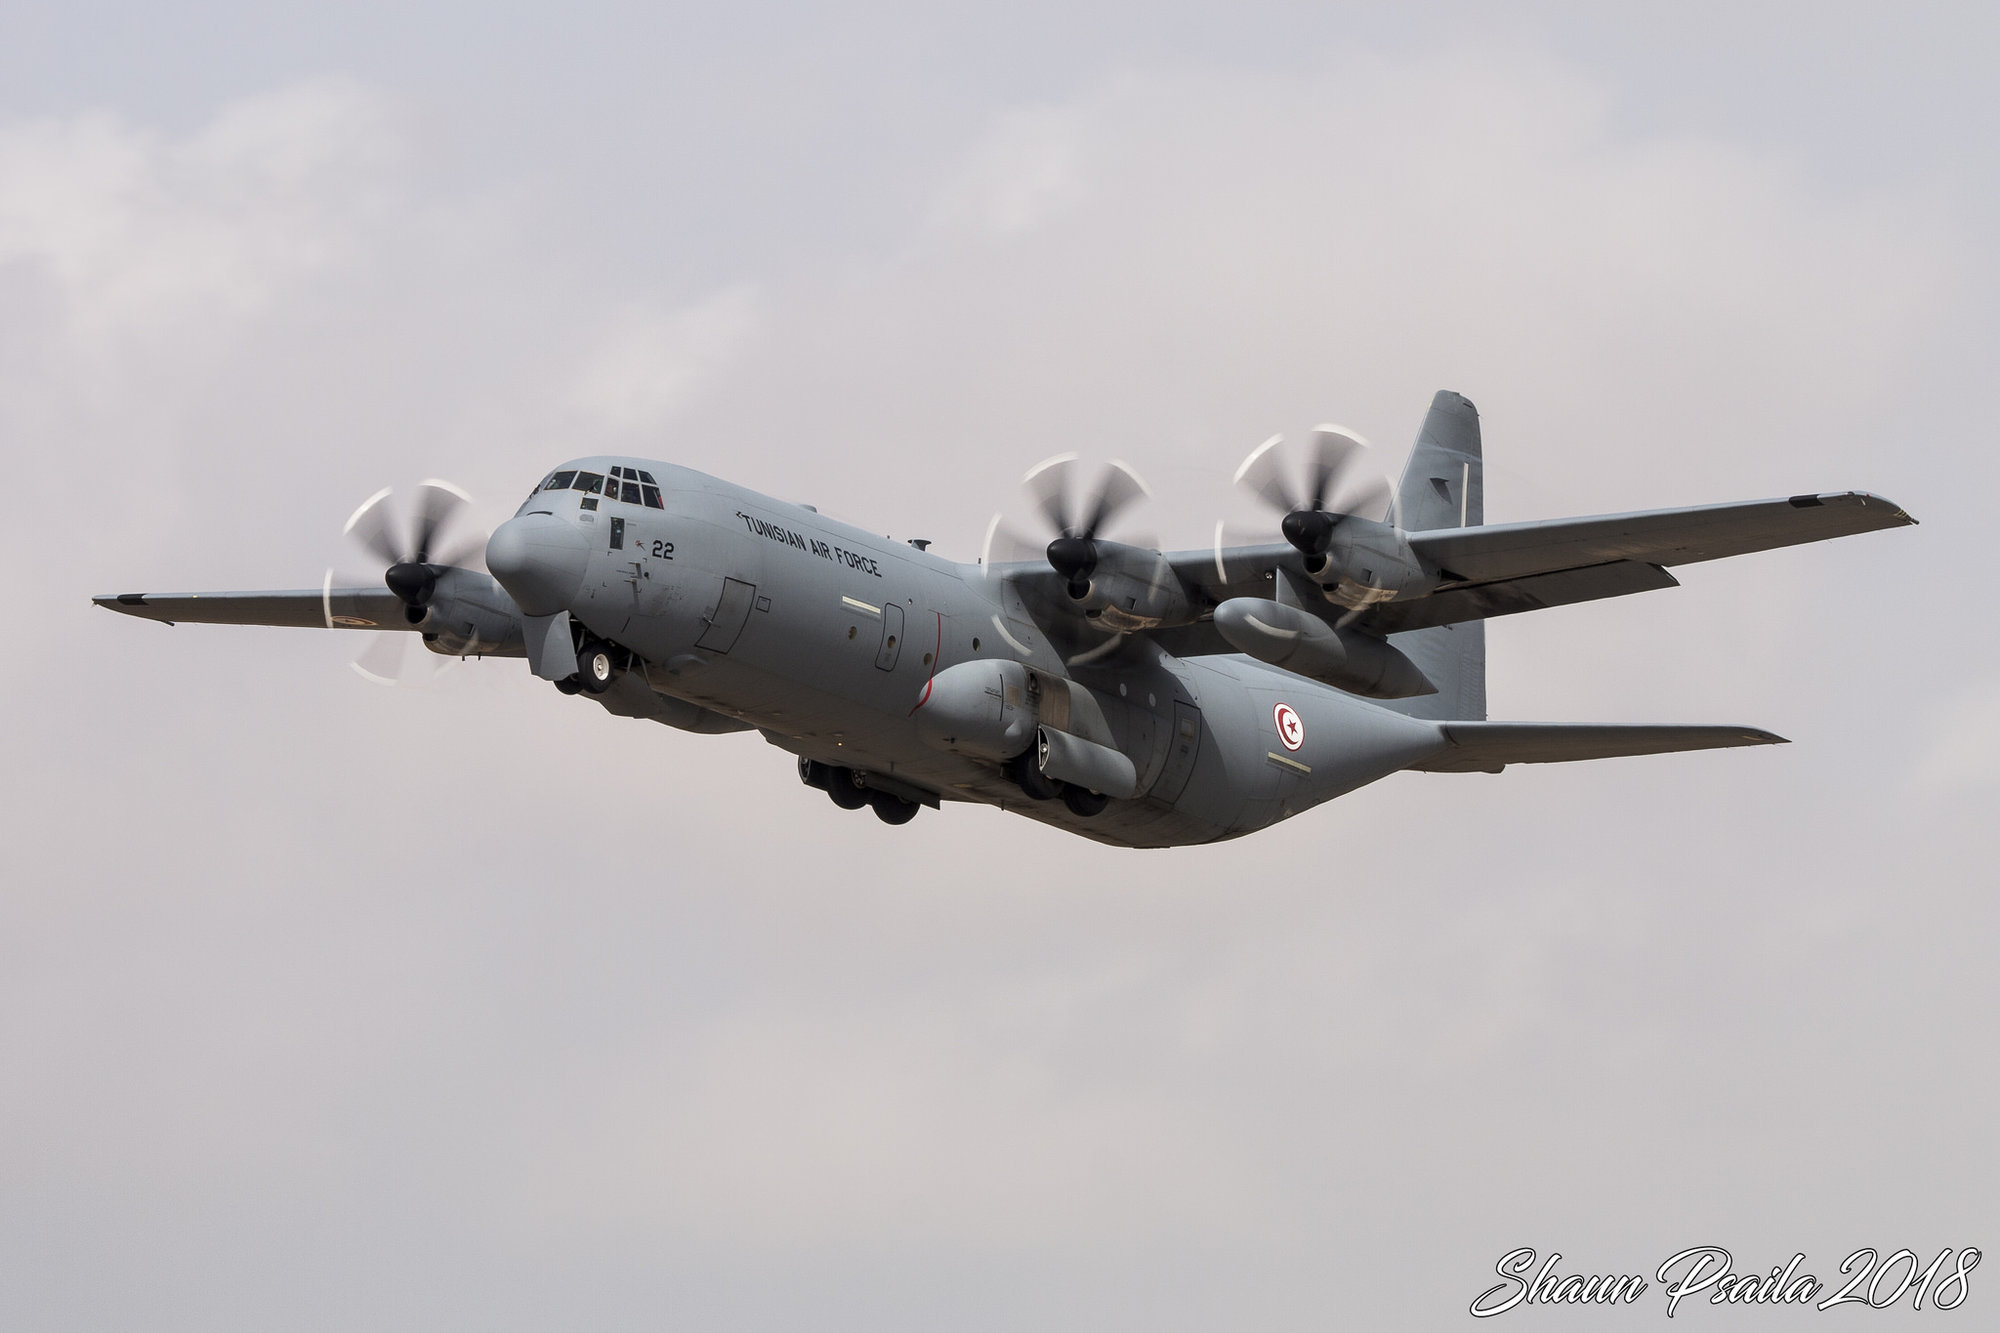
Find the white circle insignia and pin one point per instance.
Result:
(1291, 731)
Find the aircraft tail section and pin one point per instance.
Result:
(1444, 486)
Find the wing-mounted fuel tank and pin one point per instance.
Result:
(1301, 642)
(469, 614)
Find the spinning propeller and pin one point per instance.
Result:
(1339, 480)
(416, 554)
(1077, 516)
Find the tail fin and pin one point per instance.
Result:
(1444, 486)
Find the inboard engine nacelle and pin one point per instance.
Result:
(1130, 588)
(1301, 642)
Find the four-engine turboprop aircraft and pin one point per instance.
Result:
(1138, 698)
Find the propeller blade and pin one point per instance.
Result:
(1262, 474)
(381, 662)
(1335, 452)
(369, 525)
(1120, 488)
(437, 502)
(467, 552)
(1005, 545)
(1048, 485)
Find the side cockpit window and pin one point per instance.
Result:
(590, 483)
(560, 481)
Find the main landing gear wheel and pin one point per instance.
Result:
(846, 793)
(1084, 803)
(1028, 776)
(892, 809)
(596, 667)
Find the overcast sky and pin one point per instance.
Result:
(465, 1005)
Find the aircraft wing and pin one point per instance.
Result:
(1658, 536)
(1505, 568)
(306, 608)
(1487, 747)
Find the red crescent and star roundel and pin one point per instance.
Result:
(1291, 731)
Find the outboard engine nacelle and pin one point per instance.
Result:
(1303, 643)
(983, 710)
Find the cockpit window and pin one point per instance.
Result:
(647, 477)
(590, 483)
(560, 481)
(631, 496)
(652, 496)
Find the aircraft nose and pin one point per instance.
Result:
(540, 560)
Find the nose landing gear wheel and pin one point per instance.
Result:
(569, 685)
(595, 667)
(892, 809)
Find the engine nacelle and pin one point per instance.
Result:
(983, 710)
(470, 615)
(1132, 588)
(1085, 764)
(1301, 642)
(1368, 562)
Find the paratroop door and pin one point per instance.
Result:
(725, 622)
(892, 637)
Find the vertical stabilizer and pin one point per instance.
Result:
(1444, 487)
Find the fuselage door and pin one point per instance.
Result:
(725, 622)
(892, 637)
(1182, 747)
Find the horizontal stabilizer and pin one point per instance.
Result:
(307, 608)
(1487, 747)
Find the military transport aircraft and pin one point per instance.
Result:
(1140, 698)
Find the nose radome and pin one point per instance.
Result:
(540, 560)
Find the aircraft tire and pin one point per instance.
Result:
(1083, 803)
(1028, 776)
(842, 788)
(892, 809)
(596, 667)
(569, 685)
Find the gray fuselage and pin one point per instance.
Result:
(826, 639)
